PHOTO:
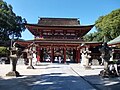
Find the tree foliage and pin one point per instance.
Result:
(108, 26)
(93, 37)
(4, 51)
(10, 23)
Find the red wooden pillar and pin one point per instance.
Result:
(41, 54)
(52, 54)
(38, 54)
(74, 54)
(78, 56)
(64, 51)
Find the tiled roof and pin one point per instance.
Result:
(115, 41)
(59, 22)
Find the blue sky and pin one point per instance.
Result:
(87, 11)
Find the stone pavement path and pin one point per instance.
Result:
(92, 77)
(43, 77)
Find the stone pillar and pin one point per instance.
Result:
(14, 62)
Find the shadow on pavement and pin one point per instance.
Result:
(52, 81)
(103, 83)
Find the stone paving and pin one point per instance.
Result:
(93, 78)
(48, 76)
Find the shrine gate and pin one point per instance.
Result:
(58, 38)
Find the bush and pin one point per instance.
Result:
(4, 51)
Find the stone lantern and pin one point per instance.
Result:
(85, 56)
(30, 57)
(14, 55)
(106, 54)
(110, 66)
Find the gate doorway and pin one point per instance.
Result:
(58, 55)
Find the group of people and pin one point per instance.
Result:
(59, 59)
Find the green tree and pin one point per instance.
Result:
(95, 36)
(88, 37)
(108, 26)
(10, 24)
